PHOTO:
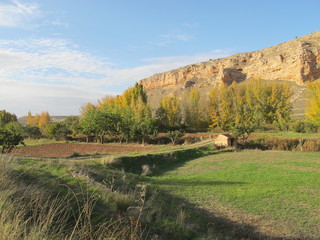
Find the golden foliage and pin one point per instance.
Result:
(313, 106)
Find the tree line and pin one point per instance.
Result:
(239, 108)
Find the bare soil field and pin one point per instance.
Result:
(57, 150)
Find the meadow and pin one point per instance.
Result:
(193, 192)
(269, 194)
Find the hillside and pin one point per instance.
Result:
(296, 61)
(23, 120)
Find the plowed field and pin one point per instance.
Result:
(72, 149)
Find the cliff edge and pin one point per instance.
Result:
(297, 60)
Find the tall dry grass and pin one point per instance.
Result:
(286, 144)
(28, 211)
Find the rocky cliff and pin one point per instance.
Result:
(297, 60)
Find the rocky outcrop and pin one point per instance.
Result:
(297, 60)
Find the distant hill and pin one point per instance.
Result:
(23, 120)
(296, 61)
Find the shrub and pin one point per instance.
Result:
(11, 136)
(297, 126)
(174, 136)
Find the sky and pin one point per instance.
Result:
(57, 55)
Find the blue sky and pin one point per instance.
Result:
(56, 55)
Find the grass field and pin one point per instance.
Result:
(266, 193)
(192, 193)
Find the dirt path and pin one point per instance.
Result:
(64, 150)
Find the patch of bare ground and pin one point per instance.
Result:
(62, 150)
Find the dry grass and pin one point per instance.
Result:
(28, 211)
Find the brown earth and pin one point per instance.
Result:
(61, 150)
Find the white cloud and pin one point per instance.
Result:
(55, 75)
(17, 14)
(19, 97)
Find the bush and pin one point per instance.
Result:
(56, 130)
(174, 136)
(285, 144)
(297, 126)
(11, 136)
(32, 132)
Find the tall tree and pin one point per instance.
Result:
(313, 106)
(220, 104)
(44, 119)
(38, 120)
(169, 112)
(244, 107)
(194, 112)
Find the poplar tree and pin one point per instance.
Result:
(244, 107)
(194, 112)
(313, 106)
(169, 112)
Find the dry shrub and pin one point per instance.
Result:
(286, 144)
(311, 145)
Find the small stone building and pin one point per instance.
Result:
(225, 140)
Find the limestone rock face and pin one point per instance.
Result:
(297, 60)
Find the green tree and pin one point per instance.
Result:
(11, 135)
(72, 124)
(145, 130)
(55, 130)
(6, 117)
(174, 136)
(100, 122)
(33, 132)
(121, 117)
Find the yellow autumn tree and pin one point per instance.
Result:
(169, 112)
(85, 108)
(313, 106)
(44, 119)
(250, 104)
(194, 111)
(30, 119)
(220, 104)
(38, 120)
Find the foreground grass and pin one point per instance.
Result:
(191, 194)
(274, 193)
(80, 199)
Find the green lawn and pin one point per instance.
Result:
(277, 193)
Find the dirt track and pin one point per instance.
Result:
(70, 149)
